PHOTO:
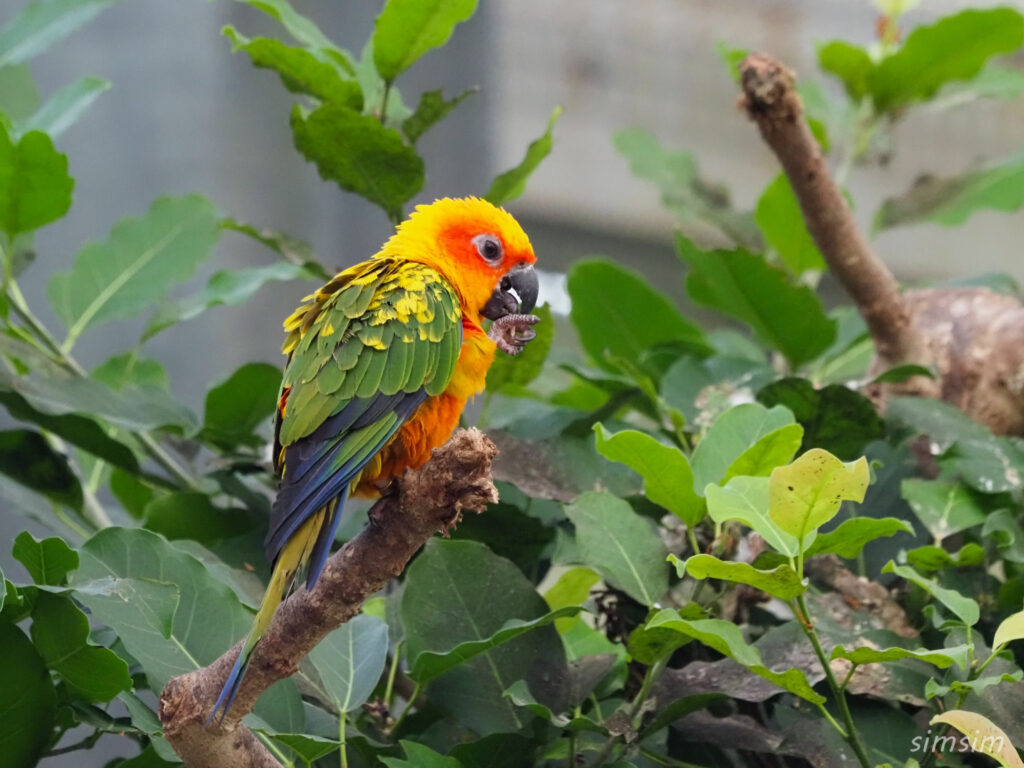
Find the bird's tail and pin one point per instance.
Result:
(295, 554)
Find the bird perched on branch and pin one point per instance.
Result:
(381, 362)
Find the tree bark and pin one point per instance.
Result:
(973, 338)
(771, 101)
(426, 501)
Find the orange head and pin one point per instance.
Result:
(479, 248)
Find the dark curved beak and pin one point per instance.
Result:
(516, 293)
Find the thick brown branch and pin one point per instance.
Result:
(428, 500)
(771, 101)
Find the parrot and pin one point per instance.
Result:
(381, 361)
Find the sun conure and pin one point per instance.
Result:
(381, 361)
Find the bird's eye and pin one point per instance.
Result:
(489, 248)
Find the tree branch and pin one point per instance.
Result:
(427, 501)
(771, 101)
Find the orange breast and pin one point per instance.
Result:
(435, 420)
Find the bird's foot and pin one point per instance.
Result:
(512, 332)
(378, 511)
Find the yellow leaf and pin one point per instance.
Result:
(806, 494)
(984, 736)
(1012, 628)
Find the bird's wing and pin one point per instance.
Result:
(371, 346)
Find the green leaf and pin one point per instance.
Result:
(747, 499)
(942, 658)
(990, 464)
(807, 493)
(620, 545)
(782, 582)
(615, 310)
(192, 515)
(429, 665)
(507, 371)
(35, 187)
(136, 266)
(648, 645)
(519, 694)
(1003, 528)
(42, 23)
(309, 748)
(432, 109)
(785, 316)
(976, 686)
(726, 638)
(512, 183)
(80, 431)
(942, 422)
(668, 480)
(695, 200)
(53, 390)
(964, 608)
(351, 659)
(61, 632)
(779, 217)
(156, 581)
(850, 63)
(848, 539)
(571, 589)
(984, 735)
(63, 109)
(19, 98)
(420, 756)
(27, 700)
(292, 250)
(28, 458)
(954, 48)
(1011, 628)
(993, 82)
(901, 373)
(301, 70)
(48, 561)
(303, 30)
(132, 493)
(380, 100)
(407, 29)
(943, 508)
(237, 406)
(359, 154)
(128, 368)
(732, 57)
(931, 558)
(225, 288)
(747, 439)
(459, 592)
(834, 417)
(951, 200)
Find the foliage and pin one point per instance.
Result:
(552, 630)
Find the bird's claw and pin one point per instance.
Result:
(512, 332)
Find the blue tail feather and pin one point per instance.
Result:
(231, 685)
(322, 548)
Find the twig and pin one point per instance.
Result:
(457, 478)
(771, 101)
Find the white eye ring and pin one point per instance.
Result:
(489, 248)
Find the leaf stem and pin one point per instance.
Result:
(653, 673)
(409, 704)
(850, 733)
(342, 720)
(389, 687)
(63, 358)
(86, 743)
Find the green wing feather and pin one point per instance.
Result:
(366, 351)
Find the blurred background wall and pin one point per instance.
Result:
(186, 115)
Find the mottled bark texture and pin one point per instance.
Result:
(426, 501)
(972, 337)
